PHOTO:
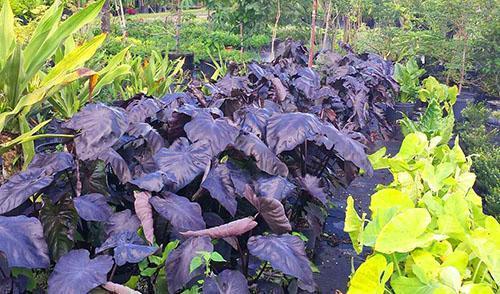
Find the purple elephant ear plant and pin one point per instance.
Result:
(236, 172)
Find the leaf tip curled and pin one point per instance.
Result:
(144, 212)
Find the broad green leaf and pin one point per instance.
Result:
(354, 225)
(450, 277)
(476, 289)
(425, 266)
(404, 285)
(387, 198)
(215, 256)
(377, 159)
(413, 144)
(485, 243)
(457, 206)
(458, 259)
(7, 35)
(449, 225)
(402, 232)
(373, 228)
(196, 262)
(368, 277)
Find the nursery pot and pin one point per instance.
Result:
(463, 99)
(188, 59)
(207, 68)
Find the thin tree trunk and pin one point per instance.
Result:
(313, 33)
(178, 25)
(105, 18)
(275, 29)
(327, 24)
(241, 37)
(462, 66)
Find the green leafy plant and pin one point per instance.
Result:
(154, 76)
(408, 77)
(205, 258)
(438, 119)
(23, 81)
(71, 98)
(427, 228)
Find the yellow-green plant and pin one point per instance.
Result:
(25, 79)
(68, 100)
(154, 76)
(427, 228)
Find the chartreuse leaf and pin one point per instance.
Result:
(404, 285)
(377, 159)
(402, 232)
(387, 198)
(477, 289)
(485, 243)
(458, 259)
(371, 276)
(373, 228)
(425, 266)
(354, 225)
(413, 144)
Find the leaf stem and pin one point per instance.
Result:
(396, 264)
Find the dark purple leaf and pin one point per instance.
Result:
(227, 282)
(100, 127)
(220, 186)
(52, 162)
(123, 221)
(271, 210)
(120, 167)
(265, 159)
(22, 242)
(179, 260)
(183, 214)
(153, 182)
(253, 120)
(285, 131)
(76, 273)
(312, 185)
(153, 138)
(140, 110)
(183, 162)
(128, 247)
(219, 133)
(277, 187)
(93, 207)
(308, 82)
(285, 253)
(21, 186)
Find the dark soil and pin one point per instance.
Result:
(334, 254)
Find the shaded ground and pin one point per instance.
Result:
(334, 253)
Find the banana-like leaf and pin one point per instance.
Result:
(7, 35)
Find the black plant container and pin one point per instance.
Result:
(188, 59)
(463, 99)
(400, 107)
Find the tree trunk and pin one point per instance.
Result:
(105, 18)
(178, 24)
(275, 29)
(327, 23)
(313, 33)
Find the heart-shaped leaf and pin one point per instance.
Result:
(219, 133)
(123, 221)
(117, 163)
(276, 187)
(52, 162)
(183, 162)
(179, 261)
(265, 159)
(227, 282)
(183, 214)
(312, 185)
(128, 247)
(271, 210)
(23, 243)
(153, 182)
(100, 127)
(285, 253)
(76, 273)
(93, 207)
(21, 186)
(220, 186)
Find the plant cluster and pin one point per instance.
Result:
(237, 172)
(427, 228)
(408, 78)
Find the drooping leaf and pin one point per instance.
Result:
(285, 131)
(77, 273)
(234, 228)
(93, 207)
(59, 222)
(123, 221)
(52, 162)
(227, 282)
(179, 260)
(21, 186)
(183, 214)
(128, 247)
(285, 253)
(219, 133)
(138, 111)
(271, 210)
(100, 127)
(120, 167)
(220, 186)
(143, 130)
(354, 225)
(23, 242)
(144, 212)
(183, 161)
(265, 159)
